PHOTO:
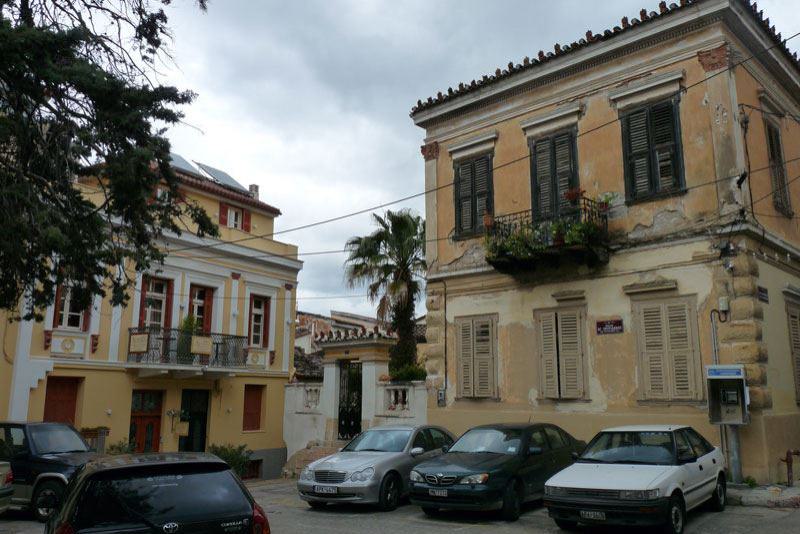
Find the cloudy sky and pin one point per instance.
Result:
(310, 99)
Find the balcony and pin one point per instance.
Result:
(523, 241)
(167, 348)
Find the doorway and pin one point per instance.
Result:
(194, 410)
(61, 399)
(349, 399)
(145, 429)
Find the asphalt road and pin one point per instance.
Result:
(287, 513)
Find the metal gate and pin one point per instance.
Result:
(349, 399)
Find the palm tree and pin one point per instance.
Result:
(391, 263)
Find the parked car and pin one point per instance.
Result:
(42, 457)
(6, 489)
(373, 468)
(639, 475)
(165, 493)
(493, 467)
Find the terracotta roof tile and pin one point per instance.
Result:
(354, 334)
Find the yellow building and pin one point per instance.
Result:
(136, 371)
(592, 205)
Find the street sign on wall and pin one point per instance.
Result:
(609, 326)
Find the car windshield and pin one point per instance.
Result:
(489, 440)
(55, 439)
(380, 441)
(157, 495)
(655, 448)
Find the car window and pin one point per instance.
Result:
(538, 440)
(440, 439)
(379, 440)
(489, 440)
(12, 442)
(554, 437)
(682, 444)
(630, 447)
(131, 496)
(54, 439)
(422, 440)
(699, 444)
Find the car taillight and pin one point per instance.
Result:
(260, 523)
(65, 528)
(9, 478)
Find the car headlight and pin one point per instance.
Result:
(555, 490)
(363, 475)
(639, 495)
(307, 474)
(416, 477)
(475, 479)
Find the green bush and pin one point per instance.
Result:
(237, 457)
(123, 446)
(750, 481)
(408, 373)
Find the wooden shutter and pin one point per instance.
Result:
(483, 189)
(543, 180)
(570, 354)
(638, 153)
(464, 351)
(250, 321)
(483, 358)
(564, 168)
(208, 305)
(167, 317)
(87, 317)
(223, 214)
(246, 220)
(780, 192)
(57, 306)
(548, 354)
(464, 201)
(680, 358)
(662, 119)
(794, 341)
(652, 350)
(143, 300)
(253, 397)
(265, 334)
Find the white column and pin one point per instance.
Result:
(370, 372)
(235, 308)
(287, 323)
(26, 372)
(329, 397)
(113, 340)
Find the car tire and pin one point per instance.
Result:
(676, 516)
(45, 489)
(317, 505)
(430, 512)
(720, 496)
(391, 489)
(512, 502)
(569, 526)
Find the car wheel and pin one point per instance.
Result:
(317, 505)
(390, 492)
(51, 491)
(512, 502)
(676, 516)
(430, 512)
(720, 496)
(563, 524)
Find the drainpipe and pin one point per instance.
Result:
(443, 402)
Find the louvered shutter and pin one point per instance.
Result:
(794, 340)
(638, 153)
(543, 180)
(653, 350)
(483, 188)
(143, 300)
(464, 351)
(57, 307)
(483, 358)
(548, 354)
(680, 350)
(464, 215)
(662, 118)
(564, 169)
(780, 192)
(570, 354)
(223, 214)
(245, 220)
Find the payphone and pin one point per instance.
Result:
(728, 397)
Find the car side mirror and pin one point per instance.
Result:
(49, 501)
(575, 455)
(534, 451)
(416, 451)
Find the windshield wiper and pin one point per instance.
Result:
(593, 460)
(637, 462)
(370, 450)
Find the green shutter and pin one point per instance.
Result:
(662, 118)
(543, 180)
(483, 188)
(638, 153)
(464, 215)
(564, 168)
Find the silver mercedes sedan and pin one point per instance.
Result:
(374, 468)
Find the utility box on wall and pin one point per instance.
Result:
(728, 397)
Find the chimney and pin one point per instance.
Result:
(254, 191)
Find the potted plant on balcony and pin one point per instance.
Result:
(557, 231)
(581, 233)
(189, 328)
(573, 194)
(605, 200)
(488, 219)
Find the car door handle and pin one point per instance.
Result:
(701, 468)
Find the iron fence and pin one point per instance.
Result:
(173, 346)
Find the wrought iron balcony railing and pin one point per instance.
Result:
(173, 346)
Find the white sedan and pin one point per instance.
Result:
(638, 475)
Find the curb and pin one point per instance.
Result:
(774, 497)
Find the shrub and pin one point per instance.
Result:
(237, 457)
(750, 481)
(123, 446)
(409, 373)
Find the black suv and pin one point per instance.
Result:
(162, 493)
(42, 457)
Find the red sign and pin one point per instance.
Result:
(611, 326)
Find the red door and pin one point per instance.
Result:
(145, 430)
(61, 399)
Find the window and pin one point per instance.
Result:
(156, 306)
(422, 440)
(473, 194)
(700, 446)
(793, 312)
(668, 358)
(12, 442)
(560, 346)
(253, 396)
(439, 438)
(651, 143)
(553, 173)
(259, 321)
(66, 314)
(234, 217)
(780, 188)
(200, 306)
(538, 440)
(554, 437)
(476, 353)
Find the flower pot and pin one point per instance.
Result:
(488, 220)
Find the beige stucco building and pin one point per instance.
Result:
(591, 206)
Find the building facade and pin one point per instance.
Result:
(147, 374)
(590, 208)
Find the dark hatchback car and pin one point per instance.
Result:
(494, 467)
(158, 493)
(42, 456)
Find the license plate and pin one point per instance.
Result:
(590, 514)
(327, 490)
(437, 492)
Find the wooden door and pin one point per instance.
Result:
(145, 429)
(61, 399)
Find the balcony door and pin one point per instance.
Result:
(201, 301)
(553, 173)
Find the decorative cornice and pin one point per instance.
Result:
(569, 295)
(648, 287)
(473, 145)
(558, 118)
(430, 151)
(645, 88)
